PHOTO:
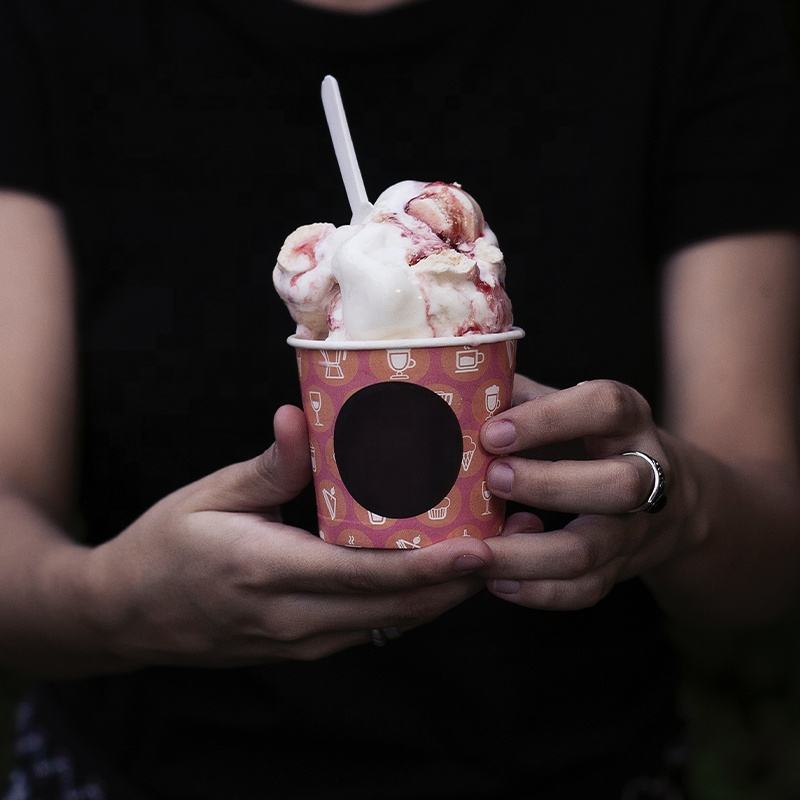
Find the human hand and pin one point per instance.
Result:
(210, 575)
(577, 566)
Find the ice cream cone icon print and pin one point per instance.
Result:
(468, 453)
(400, 360)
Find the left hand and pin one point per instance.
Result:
(577, 566)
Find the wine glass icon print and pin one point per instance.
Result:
(400, 361)
(492, 398)
(487, 496)
(315, 398)
(332, 361)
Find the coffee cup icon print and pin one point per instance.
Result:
(447, 397)
(400, 360)
(332, 361)
(469, 359)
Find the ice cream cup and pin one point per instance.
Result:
(394, 436)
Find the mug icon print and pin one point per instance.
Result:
(492, 399)
(469, 359)
(400, 361)
(332, 361)
(375, 519)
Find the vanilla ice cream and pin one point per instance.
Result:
(423, 263)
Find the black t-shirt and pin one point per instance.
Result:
(185, 140)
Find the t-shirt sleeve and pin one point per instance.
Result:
(728, 153)
(25, 148)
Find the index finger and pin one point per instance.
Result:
(311, 565)
(594, 408)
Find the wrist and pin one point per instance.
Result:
(75, 603)
(689, 513)
(686, 520)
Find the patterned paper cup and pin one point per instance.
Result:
(394, 435)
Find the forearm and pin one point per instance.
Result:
(48, 604)
(739, 552)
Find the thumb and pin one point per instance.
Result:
(274, 477)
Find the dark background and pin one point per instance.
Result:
(741, 693)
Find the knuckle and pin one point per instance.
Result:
(549, 418)
(639, 403)
(583, 557)
(280, 627)
(357, 577)
(265, 464)
(614, 398)
(542, 485)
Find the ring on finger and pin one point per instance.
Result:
(657, 498)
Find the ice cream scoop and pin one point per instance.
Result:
(422, 263)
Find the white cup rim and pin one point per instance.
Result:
(468, 340)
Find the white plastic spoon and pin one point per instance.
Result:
(343, 147)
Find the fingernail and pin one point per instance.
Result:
(505, 587)
(468, 563)
(500, 434)
(500, 478)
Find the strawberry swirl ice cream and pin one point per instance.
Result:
(423, 263)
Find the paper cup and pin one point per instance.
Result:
(394, 435)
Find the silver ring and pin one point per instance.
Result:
(657, 498)
(382, 636)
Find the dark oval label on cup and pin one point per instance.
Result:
(398, 448)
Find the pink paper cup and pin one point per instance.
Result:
(394, 436)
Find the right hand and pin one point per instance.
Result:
(210, 576)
